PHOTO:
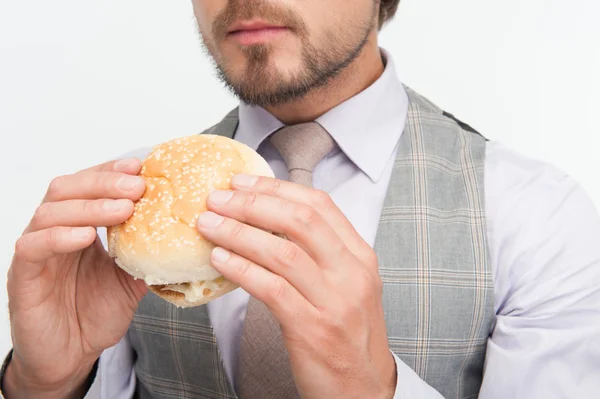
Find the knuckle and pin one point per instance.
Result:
(287, 253)
(237, 230)
(51, 237)
(319, 199)
(274, 187)
(243, 268)
(304, 215)
(41, 212)
(333, 323)
(89, 207)
(276, 289)
(370, 257)
(105, 180)
(249, 199)
(339, 249)
(366, 286)
(56, 185)
(21, 246)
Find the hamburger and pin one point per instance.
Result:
(160, 243)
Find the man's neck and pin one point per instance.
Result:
(359, 75)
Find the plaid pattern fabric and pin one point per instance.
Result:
(177, 353)
(432, 250)
(431, 244)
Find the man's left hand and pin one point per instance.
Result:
(322, 283)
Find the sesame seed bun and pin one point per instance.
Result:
(160, 243)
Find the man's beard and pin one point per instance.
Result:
(261, 84)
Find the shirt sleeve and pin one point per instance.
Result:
(544, 233)
(115, 378)
(410, 386)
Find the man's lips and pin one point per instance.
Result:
(255, 32)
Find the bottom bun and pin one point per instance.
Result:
(188, 295)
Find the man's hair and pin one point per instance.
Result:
(387, 10)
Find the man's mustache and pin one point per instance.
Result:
(237, 10)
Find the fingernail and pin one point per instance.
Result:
(114, 205)
(220, 197)
(209, 220)
(128, 183)
(124, 163)
(244, 181)
(220, 255)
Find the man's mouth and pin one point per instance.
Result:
(255, 32)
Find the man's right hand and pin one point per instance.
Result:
(67, 299)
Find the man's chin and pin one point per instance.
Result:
(265, 92)
(264, 98)
(260, 84)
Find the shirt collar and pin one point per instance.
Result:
(366, 127)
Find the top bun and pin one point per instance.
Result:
(160, 243)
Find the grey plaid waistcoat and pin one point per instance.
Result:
(431, 244)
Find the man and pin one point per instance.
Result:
(423, 261)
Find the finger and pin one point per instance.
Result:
(279, 256)
(301, 223)
(128, 165)
(80, 213)
(33, 249)
(318, 200)
(95, 185)
(282, 299)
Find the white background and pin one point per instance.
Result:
(82, 82)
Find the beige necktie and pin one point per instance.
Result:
(263, 368)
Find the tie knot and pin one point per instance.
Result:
(302, 146)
